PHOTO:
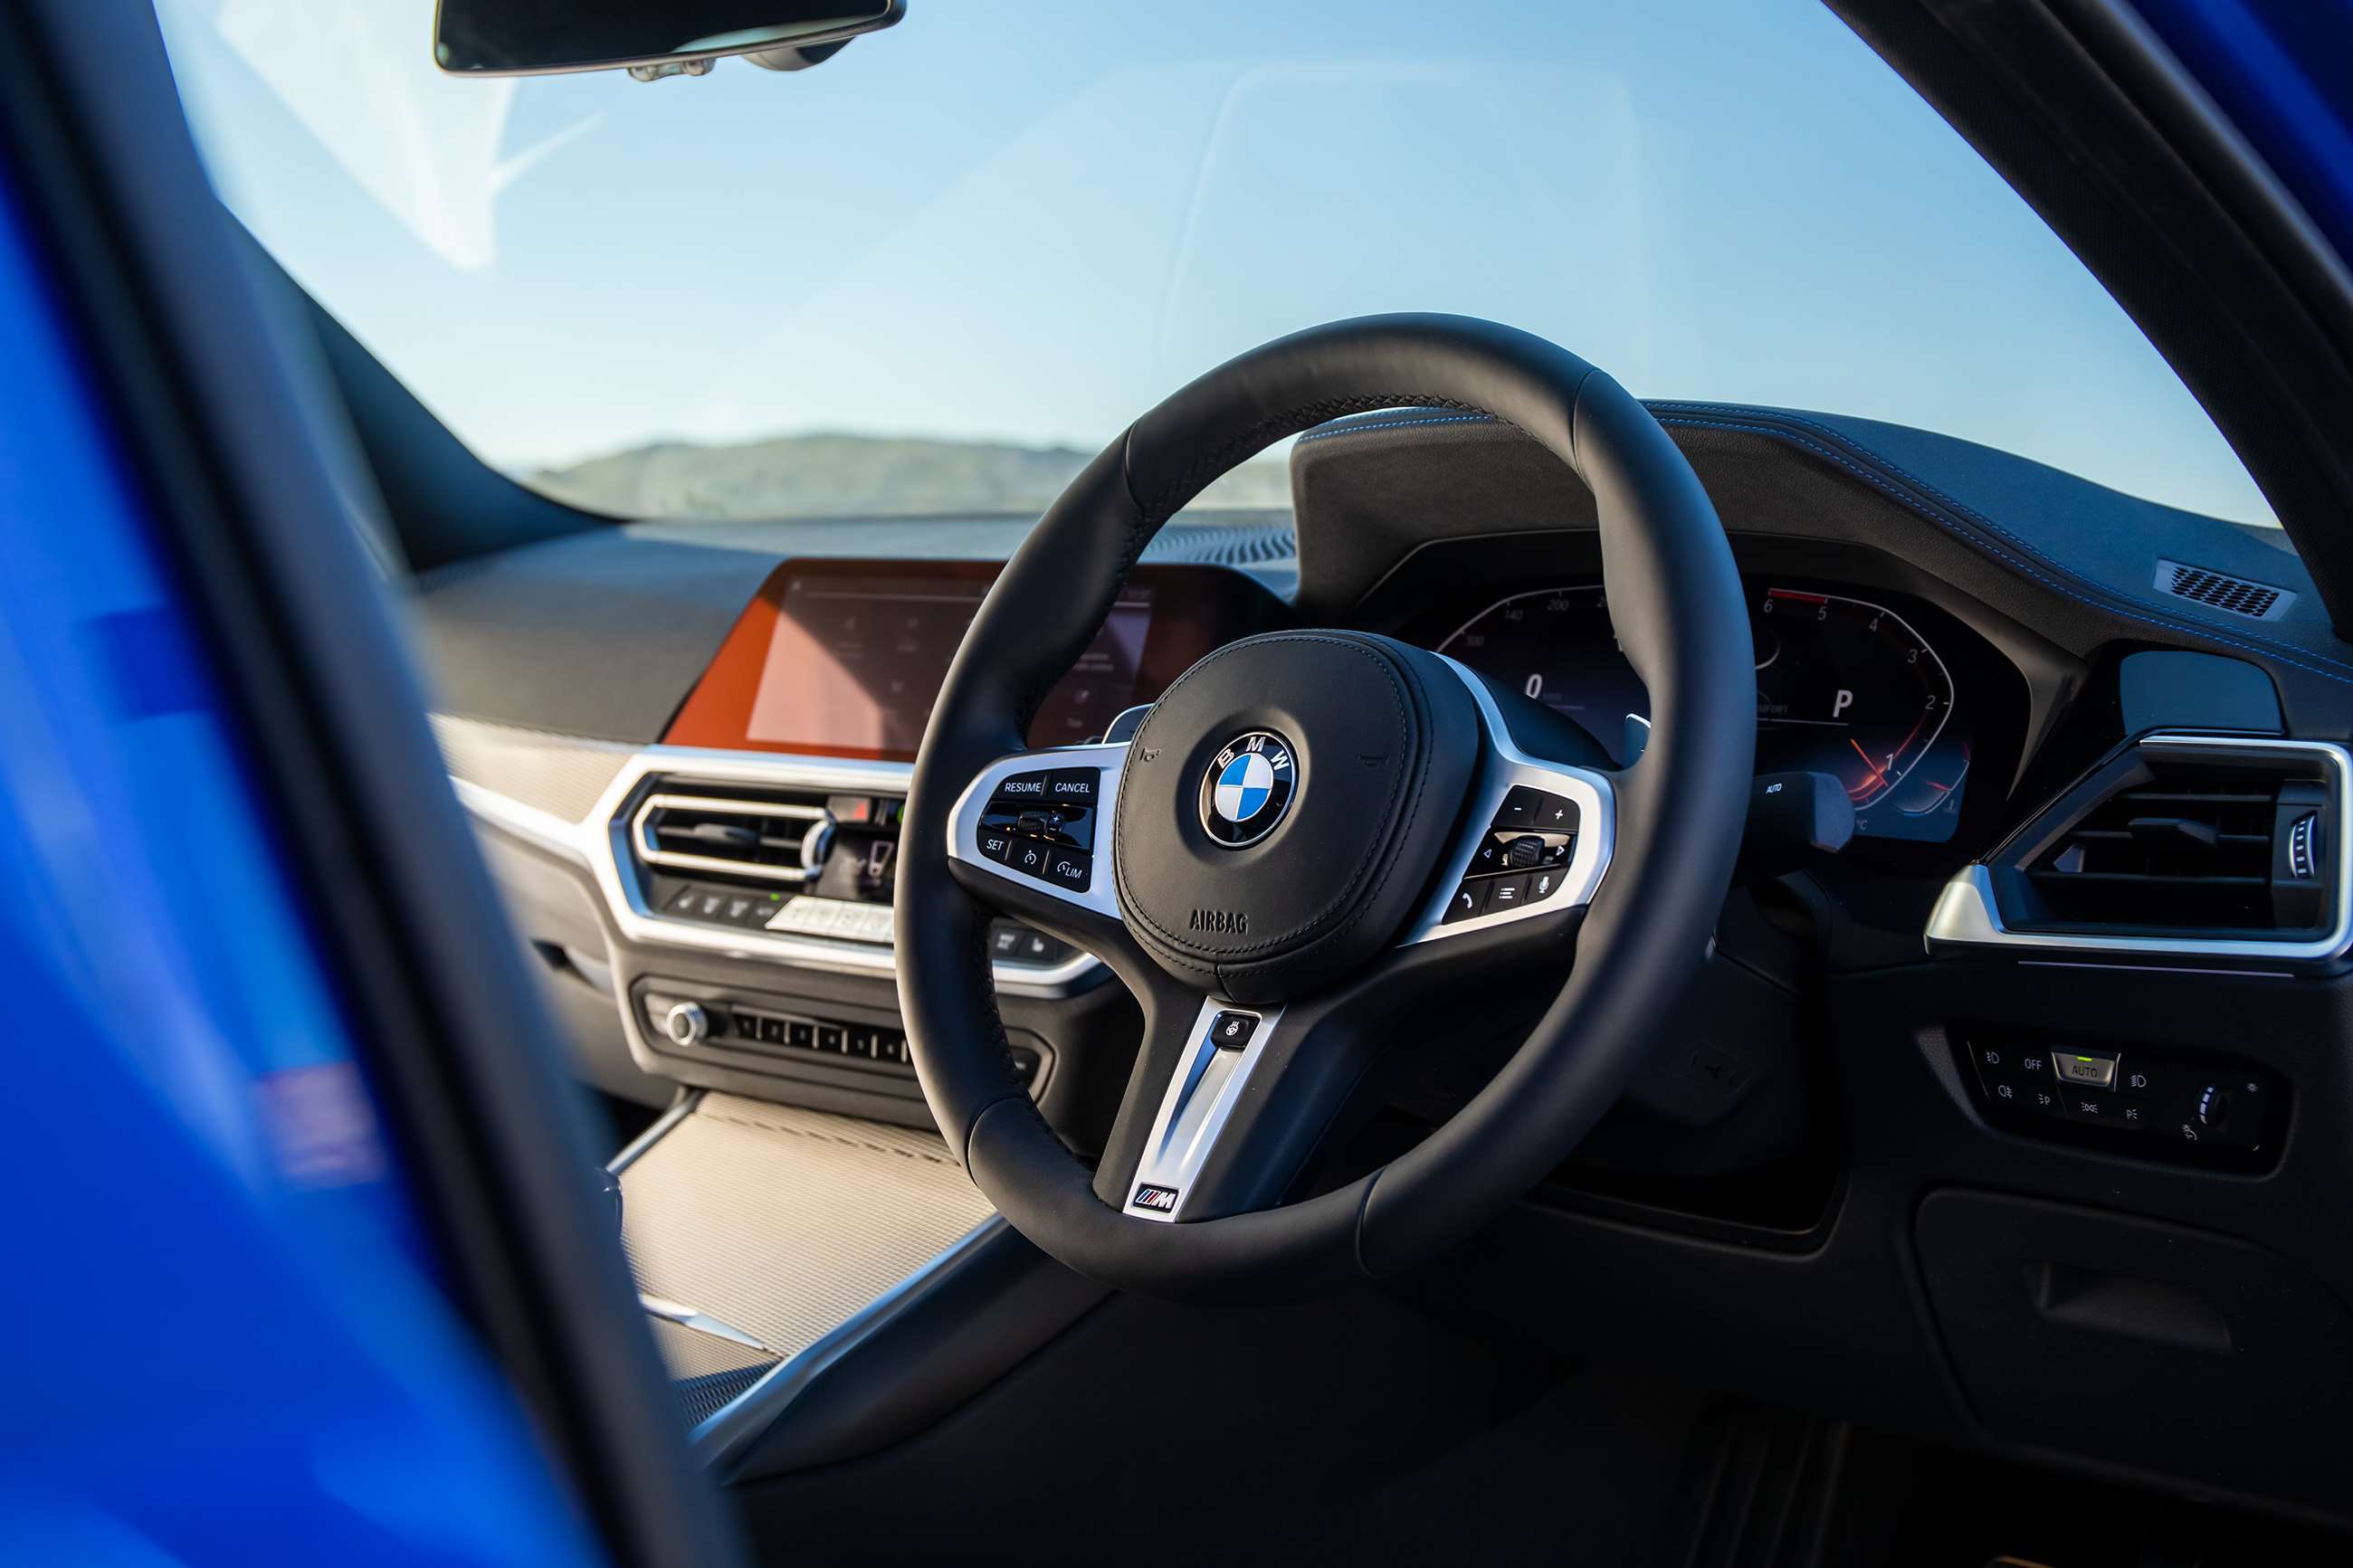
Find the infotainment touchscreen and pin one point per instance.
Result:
(854, 663)
(843, 659)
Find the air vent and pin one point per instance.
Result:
(2174, 845)
(773, 835)
(2220, 590)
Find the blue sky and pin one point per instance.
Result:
(1030, 221)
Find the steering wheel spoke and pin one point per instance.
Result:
(1539, 839)
(1230, 1102)
(1030, 836)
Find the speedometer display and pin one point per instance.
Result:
(1844, 686)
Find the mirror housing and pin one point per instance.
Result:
(648, 38)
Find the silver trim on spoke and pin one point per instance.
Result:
(1503, 768)
(1100, 896)
(1194, 1109)
(1968, 914)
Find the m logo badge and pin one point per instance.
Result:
(1160, 1200)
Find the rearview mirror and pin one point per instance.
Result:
(649, 38)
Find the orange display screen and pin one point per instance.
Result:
(845, 659)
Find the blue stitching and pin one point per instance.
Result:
(2165, 618)
(2285, 653)
(1401, 423)
(1877, 482)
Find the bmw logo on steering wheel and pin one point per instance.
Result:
(1246, 787)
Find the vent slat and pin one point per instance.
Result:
(2180, 852)
(761, 834)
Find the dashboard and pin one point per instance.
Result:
(688, 745)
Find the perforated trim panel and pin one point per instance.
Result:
(782, 1222)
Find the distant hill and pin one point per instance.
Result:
(851, 476)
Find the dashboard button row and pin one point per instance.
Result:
(838, 918)
(2180, 1103)
(715, 903)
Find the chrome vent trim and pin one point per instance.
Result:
(808, 848)
(2224, 591)
(1968, 916)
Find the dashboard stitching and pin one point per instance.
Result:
(1403, 424)
(2155, 616)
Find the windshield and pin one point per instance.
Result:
(937, 272)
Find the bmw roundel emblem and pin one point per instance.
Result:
(1246, 787)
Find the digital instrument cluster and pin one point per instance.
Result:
(1845, 686)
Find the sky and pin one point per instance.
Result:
(1029, 220)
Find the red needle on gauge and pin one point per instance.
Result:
(1878, 774)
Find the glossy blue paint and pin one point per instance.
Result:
(2282, 71)
(221, 1337)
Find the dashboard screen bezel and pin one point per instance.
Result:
(1195, 610)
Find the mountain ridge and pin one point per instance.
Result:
(840, 473)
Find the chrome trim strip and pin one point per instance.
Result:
(1195, 1108)
(722, 1438)
(1504, 766)
(1966, 914)
(600, 843)
(680, 1110)
(701, 1322)
(1101, 895)
(539, 829)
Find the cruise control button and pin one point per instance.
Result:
(1026, 788)
(1071, 869)
(1519, 807)
(1470, 898)
(1555, 814)
(1028, 856)
(995, 843)
(1073, 786)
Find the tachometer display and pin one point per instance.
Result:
(1844, 687)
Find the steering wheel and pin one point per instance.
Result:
(1299, 860)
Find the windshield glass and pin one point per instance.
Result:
(936, 273)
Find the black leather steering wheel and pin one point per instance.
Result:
(1297, 861)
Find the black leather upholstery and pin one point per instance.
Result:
(1386, 737)
(1678, 604)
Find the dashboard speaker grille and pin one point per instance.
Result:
(2220, 590)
